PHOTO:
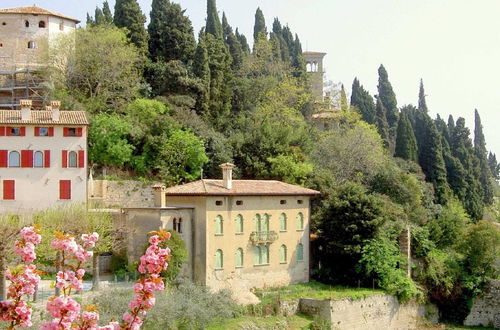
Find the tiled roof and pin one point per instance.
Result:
(43, 117)
(35, 11)
(313, 53)
(240, 188)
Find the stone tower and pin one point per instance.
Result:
(314, 66)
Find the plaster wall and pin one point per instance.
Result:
(38, 188)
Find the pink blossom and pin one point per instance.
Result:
(63, 307)
(30, 234)
(90, 240)
(111, 326)
(155, 240)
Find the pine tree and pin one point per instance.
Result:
(99, 16)
(243, 42)
(214, 26)
(260, 25)
(201, 69)
(422, 104)
(406, 143)
(388, 99)
(233, 44)
(288, 37)
(494, 166)
(344, 106)
(381, 119)
(485, 177)
(128, 15)
(108, 17)
(278, 32)
(170, 32)
(363, 102)
(90, 21)
(298, 62)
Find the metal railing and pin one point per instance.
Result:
(263, 237)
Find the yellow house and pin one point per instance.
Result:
(245, 233)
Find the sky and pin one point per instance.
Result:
(453, 45)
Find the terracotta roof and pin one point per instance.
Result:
(35, 10)
(44, 117)
(240, 188)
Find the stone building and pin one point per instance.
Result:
(238, 233)
(314, 68)
(25, 33)
(43, 158)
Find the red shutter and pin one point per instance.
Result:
(51, 131)
(46, 158)
(8, 130)
(65, 131)
(81, 158)
(64, 189)
(9, 189)
(79, 131)
(26, 158)
(23, 131)
(37, 131)
(65, 158)
(3, 158)
(2, 130)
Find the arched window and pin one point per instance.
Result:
(239, 224)
(300, 252)
(239, 257)
(72, 159)
(261, 255)
(283, 254)
(300, 221)
(282, 222)
(258, 223)
(219, 259)
(179, 226)
(31, 44)
(41, 24)
(266, 222)
(14, 159)
(38, 159)
(26, 23)
(219, 229)
(175, 224)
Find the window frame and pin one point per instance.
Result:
(239, 262)
(32, 44)
(42, 24)
(42, 160)
(219, 259)
(300, 256)
(283, 254)
(239, 227)
(219, 225)
(75, 159)
(13, 152)
(15, 131)
(300, 221)
(261, 254)
(283, 222)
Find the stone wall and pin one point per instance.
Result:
(486, 309)
(117, 194)
(374, 312)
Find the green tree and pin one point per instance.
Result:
(494, 166)
(290, 169)
(449, 227)
(422, 104)
(201, 69)
(406, 143)
(108, 17)
(298, 61)
(344, 106)
(362, 101)
(108, 144)
(260, 25)
(170, 33)
(128, 15)
(382, 125)
(213, 26)
(90, 20)
(99, 16)
(485, 177)
(243, 42)
(233, 44)
(388, 99)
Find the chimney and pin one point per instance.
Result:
(227, 175)
(55, 105)
(25, 109)
(159, 195)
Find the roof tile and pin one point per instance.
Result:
(44, 117)
(36, 11)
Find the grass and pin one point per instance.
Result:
(269, 322)
(314, 290)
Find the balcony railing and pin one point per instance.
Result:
(263, 237)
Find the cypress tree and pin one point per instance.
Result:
(99, 16)
(243, 42)
(382, 126)
(494, 166)
(422, 104)
(276, 46)
(260, 25)
(233, 44)
(128, 15)
(481, 156)
(344, 106)
(288, 38)
(201, 69)
(90, 20)
(108, 17)
(214, 26)
(171, 33)
(298, 62)
(388, 98)
(278, 32)
(363, 102)
(406, 143)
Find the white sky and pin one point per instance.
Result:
(454, 45)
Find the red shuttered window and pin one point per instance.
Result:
(9, 187)
(4, 156)
(65, 158)
(64, 189)
(81, 158)
(51, 131)
(26, 158)
(2, 130)
(46, 158)
(72, 131)
(23, 131)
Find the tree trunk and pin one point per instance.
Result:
(35, 294)
(95, 272)
(3, 281)
(58, 268)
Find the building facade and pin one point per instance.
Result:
(315, 70)
(43, 158)
(25, 34)
(238, 233)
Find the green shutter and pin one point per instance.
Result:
(300, 221)
(300, 252)
(239, 223)
(218, 259)
(256, 255)
(283, 222)
(283, 254)
(265, 254)
(266, 222)
(239, 257)
(218, 225)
